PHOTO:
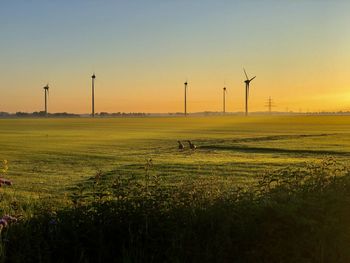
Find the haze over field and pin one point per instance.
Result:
(143, 51)
(144, 182)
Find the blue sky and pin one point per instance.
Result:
(142, 51)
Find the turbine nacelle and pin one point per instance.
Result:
(247, 81)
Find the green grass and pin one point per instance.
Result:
(48, 156)
(53, 164)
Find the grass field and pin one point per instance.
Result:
(49, 159)
(48, 156)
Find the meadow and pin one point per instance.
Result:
(128, 170)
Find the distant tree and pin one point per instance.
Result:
(22, 114)
(4, 114)
(104, 114)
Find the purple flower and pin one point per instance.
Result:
(53, 222)
(6, 220)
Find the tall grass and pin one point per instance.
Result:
(289, 215)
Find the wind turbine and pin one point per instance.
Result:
(46, 90)
(93, 94)
(186, 83)
(224, 99)
(247, 82)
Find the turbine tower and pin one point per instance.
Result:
(186, 97)
(224, 100)
(247, 82)
(46, 94)
(93, 95)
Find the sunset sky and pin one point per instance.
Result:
(142, 51)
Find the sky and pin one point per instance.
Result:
(142, 52)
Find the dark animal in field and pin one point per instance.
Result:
(5, 182)
(192, 146)
(181, 146)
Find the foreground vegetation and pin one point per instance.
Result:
(290, 215)
(255, 190)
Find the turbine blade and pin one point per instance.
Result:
(245, 73)
(252, 79)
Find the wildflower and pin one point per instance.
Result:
(3, 222)
(6, 220)
(4, 167)
(9, 219)
(53, 222)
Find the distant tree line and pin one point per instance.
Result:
(42, 114)
(122, 114)
(36, 114)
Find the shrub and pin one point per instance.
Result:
(290, 215)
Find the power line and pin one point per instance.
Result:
(270, 104)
